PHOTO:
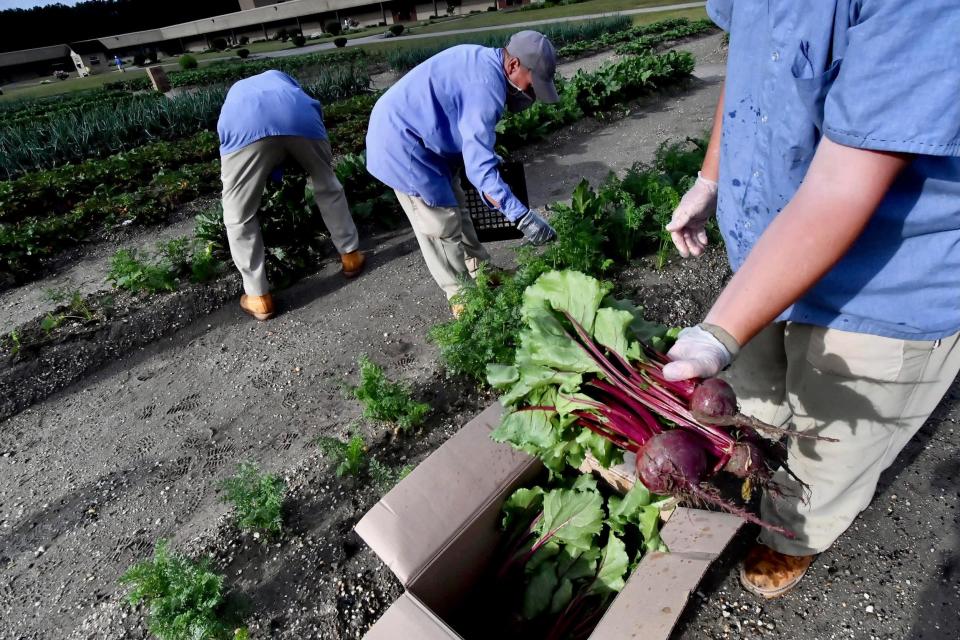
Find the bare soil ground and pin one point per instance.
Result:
(93, 475)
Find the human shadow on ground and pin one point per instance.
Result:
(936, 614)
(399, 242)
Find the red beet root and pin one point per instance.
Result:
(672, 461)
(713, 398)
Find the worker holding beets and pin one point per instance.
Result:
(264, 120)
(834, 170)
(442, 115)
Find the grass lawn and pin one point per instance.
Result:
(400, 43)
(492, 19)
(66, 86)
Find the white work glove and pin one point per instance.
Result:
(537, 230)
(688, 225)
(697, 353)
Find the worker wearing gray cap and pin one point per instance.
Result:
(441, 114)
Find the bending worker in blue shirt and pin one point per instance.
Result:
(443, 112)
(265, 119)
(834, 166)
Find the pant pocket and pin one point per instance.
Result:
(858, 355)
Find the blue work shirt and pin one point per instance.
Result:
(444, 109)
(267, 104)
(870, 74)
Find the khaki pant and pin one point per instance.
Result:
(245, 172)
(871, 393)
(447, 239)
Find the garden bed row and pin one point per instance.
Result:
(26, 245)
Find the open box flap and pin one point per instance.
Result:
(409, 618)
(417, 520)
(655, 594)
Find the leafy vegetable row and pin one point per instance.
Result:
(27, 245)
(104, 130)
(654, 34)
(55, 191)
(560, 34)
(224, 71)
(588, 93)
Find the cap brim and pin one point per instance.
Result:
(545, 89)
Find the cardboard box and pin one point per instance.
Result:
(437, 530)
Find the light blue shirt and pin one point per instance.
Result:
(443, 110)
(871, 74)
(267, 104)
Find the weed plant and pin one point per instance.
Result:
(385, 400)
(185, 599)
(385, 477)
(349, 458)
(175, 260)
(257, 499)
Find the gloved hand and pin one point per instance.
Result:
(537, 230)
(688, 226)
(697, 353)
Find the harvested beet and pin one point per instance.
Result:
(713, 398)
(747, 461)
(672, 461)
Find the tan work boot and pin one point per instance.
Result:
(352, 263)
(770, 574)
(260, 307)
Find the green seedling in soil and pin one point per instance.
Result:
(14, 337)
(204, 266)
(185, 599)
(349, 457)
(385, 477)
(385, 400)
(129, 271)
(257, 498)
(176, 252)
(51, 321)
(77, 307)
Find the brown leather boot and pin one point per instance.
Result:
(260, 307)
(352, 263)
(770, 574)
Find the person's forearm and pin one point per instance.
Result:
(839, 194)
(711, 161)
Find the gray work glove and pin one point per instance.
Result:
(699, 353)
(537, 230)
(688, 228)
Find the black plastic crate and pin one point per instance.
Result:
(491, 224)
